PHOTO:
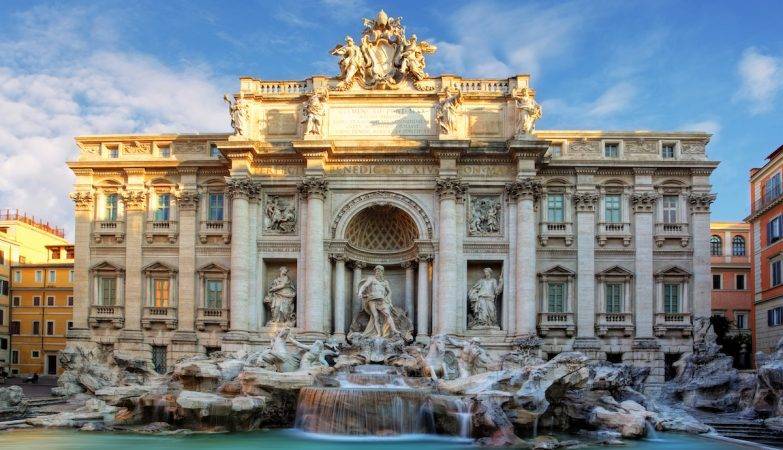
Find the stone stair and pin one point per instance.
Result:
(749, 431)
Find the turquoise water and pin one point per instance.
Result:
(285, 440)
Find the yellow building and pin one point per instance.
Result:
(23, 239)
(41, 311)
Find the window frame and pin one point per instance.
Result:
(552, 201)
(616, 208)
(716, 245)
(214, 207)
(740, 276)
(719, 278)
(616, 147)
(670, 208)
(738, 246)
(618, 298)
(563, 287)
(670, 288)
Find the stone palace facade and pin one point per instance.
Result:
(594, 240)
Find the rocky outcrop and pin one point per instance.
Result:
(91, 369)
(12, 402)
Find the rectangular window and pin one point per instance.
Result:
(16, 301)
(775, 316)
(108, 291)
(555, 208)
(3, 344)
(49, 301)
(70, 276)
(740, 282)
(213, 151)
(614, 298)
(35, 354)
(772, 187)
(214, 294)
(164, 151)
(70, 325)
(716, 281)
(15, 327)
(52, 276)
(2, 316)
(39, 276)
(741, 320)
(161, 288)
(70, 300)
(14, 356)
(215, 206)
(556, 301)
(50, 328)
(4, 286)
(670, 208)
(612, 150)
(2, 258)
(555, 150)
(667, 150)
(612, 209)
(36, 301)
(36, 328)
(17, 276)
(111, 208)
(776, 272)
(671, 298)
(163, 208)
(774, 230)
(114, 153)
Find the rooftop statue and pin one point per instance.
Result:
(385, 58)
(528, 110)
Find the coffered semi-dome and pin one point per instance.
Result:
(382, 229)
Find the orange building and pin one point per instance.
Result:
(766, 230)
(41, 311)
(732, 290)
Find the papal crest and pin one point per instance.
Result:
(384, 58)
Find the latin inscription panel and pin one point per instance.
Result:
(405, 121)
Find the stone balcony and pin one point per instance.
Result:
(103, 228)
(605, 322)
(112, 314)
(676, 322)
(212, 316)
(549, 230)
(166, 228)
(678, 231)
(556, 321)
(154, 314)
(220, 228)
(614, 230)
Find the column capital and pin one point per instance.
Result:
(134, 200)
(338, 257)
(83, 200)
(585, 201)
(358, 264)
(450, 187)
(524, 189)
(423, 258)
(700, 201)
(644, 202)
(313, 186)
(241, 188)
(406, 264)
(187, 200)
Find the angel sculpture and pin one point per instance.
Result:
(351, 61)
(238, 112)
(410, 57)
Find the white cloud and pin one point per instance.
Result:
(707, 126)
(54, 89)
(613, 100)
(616, 99)
(761, 79)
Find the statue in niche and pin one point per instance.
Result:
(379, 317)
(280, 298)
(482, 297)
(472, 358)
(528, 110)
(237, 109)
(485, 216)
(313, 113)
(280, 215)
(446, 112)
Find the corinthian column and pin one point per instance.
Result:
(187, 302)
(700, 223)
(422, 300)
(449, 189)
(134, 202)
(584, 203)
(240, 190)
(643, 207)
(84, 201)
(314, 189)
(339, 296)
(526, 192)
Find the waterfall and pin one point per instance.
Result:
(363, 411)
(464, 417)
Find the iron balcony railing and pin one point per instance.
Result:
(767, 197)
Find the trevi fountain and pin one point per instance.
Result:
(497, 342)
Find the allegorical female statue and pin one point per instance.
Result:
(528, 110)
(482, 298)
(280, 298)
(379, 317)
(237, 109)
(313, 112)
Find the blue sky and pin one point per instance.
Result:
(87, 67)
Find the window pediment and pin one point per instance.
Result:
(557, 272)
(106, 267)
(615, 272)
(158, 267)
(673, 272)
(212, 268)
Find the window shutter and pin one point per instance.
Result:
(769, 318)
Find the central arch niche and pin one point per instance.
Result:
(383, 234)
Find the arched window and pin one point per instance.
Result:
(738, 246)
(716, 247)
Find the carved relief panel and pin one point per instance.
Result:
(280, 214)
(485, 215)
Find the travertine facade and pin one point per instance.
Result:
(600, 239)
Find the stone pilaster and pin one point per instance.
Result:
(423, 298)
(84, 202)
(585, 204)
(526, 192)
(409, 288)
(449, 190)
(314, 189)
(135, 204)
(356, 301)
(643, 204)
(240, 191)
(187, 200)
(702, 273)
(339, 296)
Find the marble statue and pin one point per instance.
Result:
(446, 112)
(237, 109)
(379, 317)
(438, 361)
(280, 215)
(411, 57)
(351, 61)
(281, 300)
(482, 297)
(472, 358)
(277, 356)
(314, 355)
(528, 110)
(313, 113)
(485, 216)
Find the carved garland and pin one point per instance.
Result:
(382, 196)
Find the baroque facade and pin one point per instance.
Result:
(594, 240)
